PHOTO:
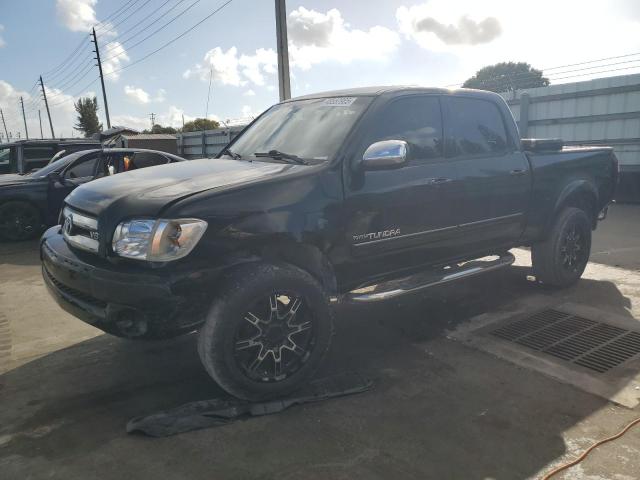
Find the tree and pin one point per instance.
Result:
(160, 129)
(507, 76)
(88, 122)
(200, 124)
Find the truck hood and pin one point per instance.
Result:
(147, 191)
(10, 179)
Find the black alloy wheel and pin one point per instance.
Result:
(275, 339)
(573, 249)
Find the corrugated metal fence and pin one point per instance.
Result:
(604, 111)
(207, 143)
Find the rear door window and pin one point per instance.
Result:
(474, 127)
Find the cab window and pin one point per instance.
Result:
(7, 161)
(37, 156)
(475, 128)
(415, 119)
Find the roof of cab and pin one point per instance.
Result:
(380, 90)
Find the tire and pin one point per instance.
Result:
(245, 337)
(561, 259)
(19, 221)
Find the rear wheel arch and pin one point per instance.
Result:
(582, 195)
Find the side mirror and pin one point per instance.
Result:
(385, 154)
(55, 177)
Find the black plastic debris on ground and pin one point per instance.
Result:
(222, 411)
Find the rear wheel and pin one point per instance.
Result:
(267, 331)
(19, 221)
(561, 259)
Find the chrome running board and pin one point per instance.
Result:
(419, 281)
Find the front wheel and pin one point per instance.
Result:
(19, 221)
(267, 332)
(561, 259)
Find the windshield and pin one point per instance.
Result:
(311, 129)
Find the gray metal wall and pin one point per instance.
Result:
(604, 111)
(206, 143)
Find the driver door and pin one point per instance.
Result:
(81, 171)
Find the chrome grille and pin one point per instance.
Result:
(80, 230)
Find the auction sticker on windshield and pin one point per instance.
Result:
(339, 101)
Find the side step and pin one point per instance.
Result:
(429, 278)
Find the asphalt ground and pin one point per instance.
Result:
(439, 409)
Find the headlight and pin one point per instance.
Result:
(157, 240)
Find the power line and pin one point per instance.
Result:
(74, 81)
(155, 31)
(66, 59)
(139, 31)
(523, 76)
(125, 19)
(72, 97)
(104, 23)
(110, 16)
(63, 75)
(163, 46)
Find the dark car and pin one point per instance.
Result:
(29, 202)
(348, 196)
(24, 156)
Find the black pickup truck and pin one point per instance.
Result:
(349, 196)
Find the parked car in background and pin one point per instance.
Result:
(32, 201)
(24, 156)
(357, 196)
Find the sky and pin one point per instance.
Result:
(332, 44)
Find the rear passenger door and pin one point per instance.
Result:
(494, 174)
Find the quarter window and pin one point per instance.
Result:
(417, 121)
(475, 128)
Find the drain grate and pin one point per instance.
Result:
(590, 344)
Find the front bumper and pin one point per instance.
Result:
(122, 300)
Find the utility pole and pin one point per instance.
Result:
(5, 125)
(104, 92)
(40, 120)
(284, 83)
(24, 118)
(153, 120)
(46, 104)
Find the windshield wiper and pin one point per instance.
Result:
(234, 155)
(278, 155)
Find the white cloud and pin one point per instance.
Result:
(161, 95)
(77, 15)
(61, 106)
(141, 97)
(137, 95)
(2, 42)
(229, 68)
(316, 37)
(249, 93)
(247, 111)
(254, 67)
(114, 56)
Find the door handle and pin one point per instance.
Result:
(438, 180)
(518, 171)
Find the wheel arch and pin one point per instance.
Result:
(580, 194)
